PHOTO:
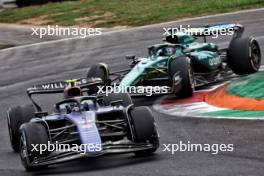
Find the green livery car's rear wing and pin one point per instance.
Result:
(216, 28)
(236, 30)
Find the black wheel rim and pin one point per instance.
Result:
(191, 76)
(9, 128)
(255, 55)
(24, 151)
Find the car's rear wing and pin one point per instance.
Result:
(217, 28)
(208, 30)
(58, 87)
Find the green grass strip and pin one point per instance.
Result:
(102, 13)
(251, 86)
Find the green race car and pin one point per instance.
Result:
(182, 64)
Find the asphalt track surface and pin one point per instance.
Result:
(24, 66)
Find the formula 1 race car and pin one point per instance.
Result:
(80, 126)
(183, 64)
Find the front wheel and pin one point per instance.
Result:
(33, 135)
(182, 78)
(98, 71)
(145, 129)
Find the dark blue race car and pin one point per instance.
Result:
(80, 126)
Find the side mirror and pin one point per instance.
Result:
(130, 57)
(134, 60)
(116, 103)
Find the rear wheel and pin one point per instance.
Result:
(125, 97)
(98, 71)
(181, 73)
(144, 129)
(15, 118)
(32, 134)
(244, 56)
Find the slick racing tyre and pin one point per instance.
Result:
(244, 55)
(145, 129)
(125, 97)
(98, 71)
(32, 134)
(181, 73)
(15, 118)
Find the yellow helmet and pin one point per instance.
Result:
(72, 90)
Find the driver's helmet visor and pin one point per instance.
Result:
(166, 51)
